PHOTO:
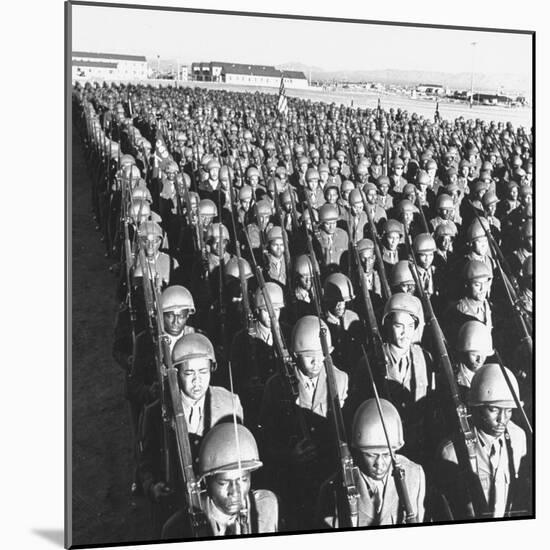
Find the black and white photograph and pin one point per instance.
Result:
(301, 274)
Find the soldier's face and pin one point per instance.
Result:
(478, 289)
(473, 359)
(445, 243)
(310, 365)
(304, 281)
(402, 329)
(480, 246)
(263, 316)
(228, 490)
(215, 245)
(367, 259)
(253, 181)
(425, 259)
(371, 196)
(444, 213)
(329, 226)
(194, 376)
(152, 245)
(331, 196)
(356, 208)
(263, 219)
(513, 193)
(276, 248)
(334, 170)
(491, 419)
(174, 321)
(245, 204)
(337, 308)
(407, 287)
(392, 240)
(375, 463)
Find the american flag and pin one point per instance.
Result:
(282, 104)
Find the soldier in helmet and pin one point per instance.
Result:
(298, 462)
(159, 267)
(334, 177)
(430, 278)
(227, 458)
(275, 268)
(384, 199)
(499, 449)
(408, 368)
(344, 325)
(444, 257)
(356, 219)
(473, 303)
(401, 278)
(445, 211)
(331, 242)
(301, 300)
(379, 499)
(397, 181)
(253, 354)
(392, 246)
(312, 192)
(367, 258)
(204, 406)
(378, 213)
(474, 344)
(524, 250)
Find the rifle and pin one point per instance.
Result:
(371, 326)
(398, 472)
(288, 370)
(422, 214)
(464, 438)
(168, 371)
(348, 515)
(379, 261)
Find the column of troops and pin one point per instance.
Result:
(336, 299)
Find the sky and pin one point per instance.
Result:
(191, 37)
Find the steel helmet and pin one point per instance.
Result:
(149, 228)
(302, 265)
(368, 431)
(364, 245)
(422, 178)
(131, 171)
(362, 169)
(444, 201)
(140, 208)
(347, 185)
(383, 180)
(213, 232)
(448, 228)
(171, 168)
(323, 168)
(333, 163)
(489, 387)
(474, 336)
(328, 212)
(252, 171)
(177, 297)
(393, 226)
(275, 232)
(475, 269)
(397, 162)
(312, 174)
(409, 189)
(337, 288)
(423, 243)
(192, 346)
(141, 194)
(231, 268)
(264, 208)
(245, 193)
(228, 447)
(306, 336)
(126, 160)
(225, 172)
(401, 274)
(489, 198)
(208, 207)
(275, 293)
(403, 302)
(405, 206)
(355, 197)
(476, 230)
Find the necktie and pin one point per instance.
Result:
(493, 460)
(231, 528)
(194, 419)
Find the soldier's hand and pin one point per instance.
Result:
(304, 451)
(160, 490)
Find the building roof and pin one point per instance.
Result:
(294, 74)
(102, 64)
(116, 56)
(430, 86)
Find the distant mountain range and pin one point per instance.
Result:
(483, 82)
(456, 81)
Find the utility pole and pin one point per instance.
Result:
(473, 44)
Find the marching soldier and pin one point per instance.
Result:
(227, 458)
(300, 461)
(204, 406)
(499, 450)
(330, 242)
(379, 501)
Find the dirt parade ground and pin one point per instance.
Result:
(104, 510)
